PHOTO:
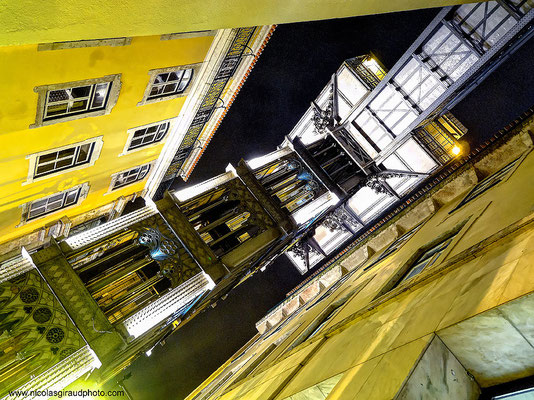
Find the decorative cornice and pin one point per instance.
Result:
(187, 173)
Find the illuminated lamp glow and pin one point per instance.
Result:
(372, 65)
(456, 150)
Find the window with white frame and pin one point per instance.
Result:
(146, 135)
(129, 176)
(58, 201)
(169, 83)
(80, 99)
(63, 159)
(55, 161)
(73, 100)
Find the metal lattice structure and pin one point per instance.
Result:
(461, 46)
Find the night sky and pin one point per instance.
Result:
(294, 67)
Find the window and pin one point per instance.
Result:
(50, 204)
(129, 176)
(487, 184)
(319, 323)
(324, 321)
(393, 247)
(64, 159)
(146, 135)
(74, 156)
(428, 258)
(169, 83)
(519, 389)
(76, 100)
(73, 100)
(152, 134)
(332, 288)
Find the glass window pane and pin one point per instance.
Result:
(156, 91)
(161, 78)
(416, 270)
(65, 162)
(135, 142)
(39, 203)
(139, 133)
(148, 139)
(66, 153)
(84, 153)
(187, 74)
(43, 169)
(82, 91)
(55, 197)
(71, 197)
(169, 88)
(56, 109)
(174, 76)
(99, 97)
(79, 106)
(56, 205)
(35, 212)
(163, 128)
(144, 171)
(57, 95)
(183, 85)
(45, 158)
(152, 129)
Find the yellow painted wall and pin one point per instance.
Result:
(23, 67)
(30, 21)
(375, 349)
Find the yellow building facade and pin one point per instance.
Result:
(28, 67)
(87, 126)
(434, 302)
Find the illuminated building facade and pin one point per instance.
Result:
(399, 120)
(96, 299)
(92, 125)
(84, 139)
(434, 302)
